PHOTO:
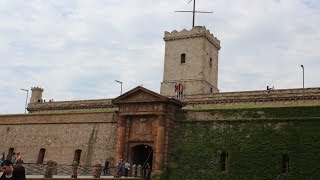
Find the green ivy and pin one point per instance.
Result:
(266, 112)
(254, 148)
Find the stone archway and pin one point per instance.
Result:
(142, 154)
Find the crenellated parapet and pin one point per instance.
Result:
(37, 89)
(64, 106)
(197, 31)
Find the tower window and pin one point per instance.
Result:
(210, 62)
(223, 161)
(210, 90)
(183, 58)
(285, 163)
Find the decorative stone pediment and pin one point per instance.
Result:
(139, 96)
(143, 95)
(141, 101)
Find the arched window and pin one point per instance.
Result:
(285, 163)
(183, 58)
(210, 62)
(223, 161)
(77, 155)
(41, 154)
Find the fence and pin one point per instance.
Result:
(52, 168)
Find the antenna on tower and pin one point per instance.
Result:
(194, 11)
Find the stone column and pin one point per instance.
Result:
(74, 170)
(160, 143)
(96, 171)
(120, 140)
(139, 171)
(134, 170)
(49, 170)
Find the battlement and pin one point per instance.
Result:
(36, 95)
(197, 31)
(70, 105)
(37, 89)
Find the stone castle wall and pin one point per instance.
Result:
(278, 96)
(60, 135)
(256, 140)
(281, 96)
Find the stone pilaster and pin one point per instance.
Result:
(121, 134)
(160, 141)
(126, 140)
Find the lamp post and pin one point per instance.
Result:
(302, 81)
(120, 85)
(25, 107)
(302, 75)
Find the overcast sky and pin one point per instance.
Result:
(76, 49)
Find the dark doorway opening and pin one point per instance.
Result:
(142, 154)
(41, 156)
(77, 155)
(10, 153)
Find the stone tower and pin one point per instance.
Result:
(190, 63)
(36, 95)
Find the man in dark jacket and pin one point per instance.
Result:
(17, 173)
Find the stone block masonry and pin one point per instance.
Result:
(60, 135)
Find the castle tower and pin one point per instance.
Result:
(36, 95)
(190, 63)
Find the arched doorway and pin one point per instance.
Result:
(142, 154)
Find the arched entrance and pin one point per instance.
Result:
(142, 154)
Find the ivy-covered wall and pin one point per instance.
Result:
(255, 146)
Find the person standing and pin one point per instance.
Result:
(18, 157)
(13, 158)
(147, 172)
(106, 167)
(19, 171)
(1, 158)
(120, 168)
(126, 169)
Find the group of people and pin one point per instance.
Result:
(123, 168)
(12, 168)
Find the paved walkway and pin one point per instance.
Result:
(79, 177)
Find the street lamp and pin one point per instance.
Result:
(25, 107)
(302, 76)
(121, 86)
(302, 81)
